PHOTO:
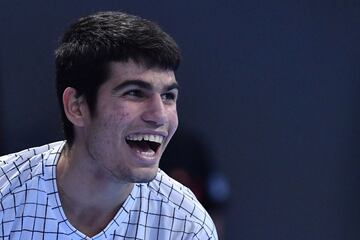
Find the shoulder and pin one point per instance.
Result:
(18, 168)
(176, 199)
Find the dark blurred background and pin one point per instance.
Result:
(269, 88)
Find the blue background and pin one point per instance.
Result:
(272, 88)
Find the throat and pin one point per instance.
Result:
(91, 221)
(90, 210)
(88, 218)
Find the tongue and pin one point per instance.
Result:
(142, 146)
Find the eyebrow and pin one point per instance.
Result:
(144, 85)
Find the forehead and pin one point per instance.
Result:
(124, 71)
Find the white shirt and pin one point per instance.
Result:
(30, 206)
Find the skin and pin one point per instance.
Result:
(98, 172)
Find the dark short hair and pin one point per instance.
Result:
(91, 43)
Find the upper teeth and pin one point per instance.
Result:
(146, 137)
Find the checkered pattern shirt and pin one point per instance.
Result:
(30, 206)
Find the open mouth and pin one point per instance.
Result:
(146, 143)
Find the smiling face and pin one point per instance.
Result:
(134, 120)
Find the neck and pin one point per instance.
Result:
(90, 198)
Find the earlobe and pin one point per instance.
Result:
(74, 107)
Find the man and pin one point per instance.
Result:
(117, 91)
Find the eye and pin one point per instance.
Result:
(134, 93)
(169, 97)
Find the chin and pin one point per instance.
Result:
(143, 175)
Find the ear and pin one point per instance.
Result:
(75, 107)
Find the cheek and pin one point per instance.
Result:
(109, 126)
(173, 120)
(116, 122)
(109, 129)
(122, 116)
(115, 115)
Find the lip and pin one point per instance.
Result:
(146, 160)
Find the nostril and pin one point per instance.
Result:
(155, 116)
(155, 121)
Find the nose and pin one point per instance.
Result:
(155, 112)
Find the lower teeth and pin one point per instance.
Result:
(148, 153)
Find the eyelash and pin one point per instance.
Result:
(139, 94)
(169, 96)
(135, 93)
